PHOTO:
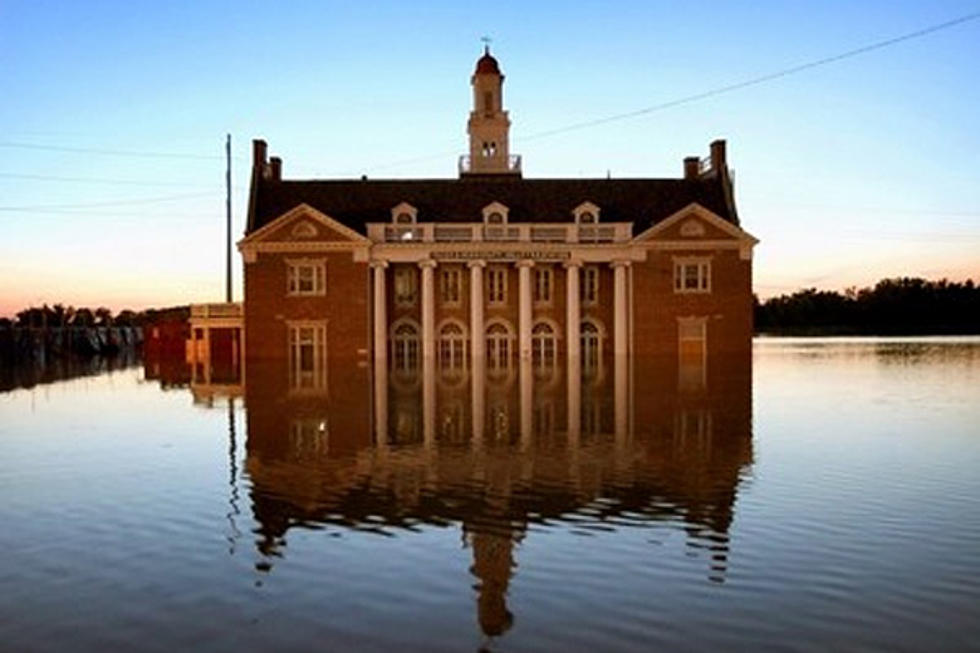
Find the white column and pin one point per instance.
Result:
(380, 315)
(620, 350)
(573, 319)
(380, 355)
(621, 309)
(524, 328)
(428, 352)
(526, 401)
(428, 403)
(428, 310)
(207, 355)
(478, 343)
(573, 316)
(478, 406)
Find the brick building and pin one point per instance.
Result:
(475, 278)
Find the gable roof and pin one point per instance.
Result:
(356, 202)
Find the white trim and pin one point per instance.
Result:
(444, 272)
(404, 207)
(708, 216)
(536, 273)
(495, 207)
(317, 377)
(298, 211)
(704, 274)
(319, 266)
(586, 207)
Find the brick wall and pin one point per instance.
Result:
(345, 307)
(728, 306)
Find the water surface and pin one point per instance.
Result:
(828, 497)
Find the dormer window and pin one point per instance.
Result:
(495, 213)
(586, 213)
(404, 214)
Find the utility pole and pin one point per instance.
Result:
(228, 219)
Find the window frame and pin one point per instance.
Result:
(318, 277)
(314, 379)
(405, 274)
(496, 299)
(543, 275)
(701, 268)
(590, 286)
(450, 279)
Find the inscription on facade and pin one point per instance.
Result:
(503, 255)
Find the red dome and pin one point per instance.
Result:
(487, 65)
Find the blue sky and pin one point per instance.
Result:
(849, 172)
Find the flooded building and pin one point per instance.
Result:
(478, 272)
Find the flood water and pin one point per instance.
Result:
(825, 496)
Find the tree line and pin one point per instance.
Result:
(900, 306)
(60, 316)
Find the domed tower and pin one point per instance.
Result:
(489, 125)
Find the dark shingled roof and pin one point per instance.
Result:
(357, 202)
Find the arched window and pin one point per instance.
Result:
(452, 350)
(498, 349)
(543, 348)
(591, 349)
(405, 348)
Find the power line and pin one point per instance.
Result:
(149, 200)
(103, 180)
(785, 72)
(106, 152)
(761, 79)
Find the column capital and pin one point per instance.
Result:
(525, 263)
(572, 263)
(476, 263)
(378, 264)
(620, 263)
(427, 263)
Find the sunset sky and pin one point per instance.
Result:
(114, 116)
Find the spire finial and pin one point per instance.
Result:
(486, 43)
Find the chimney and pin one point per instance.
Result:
(692, 166)
(259, 149)
(718, 161)
(275, 164)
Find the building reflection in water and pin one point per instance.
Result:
(627, 442)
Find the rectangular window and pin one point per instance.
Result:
(589, 290)
(306, 277)
(497, 286)
(692, 275)
(692, 340)
(543, 284)
(449, 285)
(406, 286)
(307, 355)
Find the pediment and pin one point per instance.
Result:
(304, 224)
(694, 223)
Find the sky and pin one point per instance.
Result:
(114, 116)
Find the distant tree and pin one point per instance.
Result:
(83, 318)
(103, 316)
(126, 318)
(903, 305)
(59, 313)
